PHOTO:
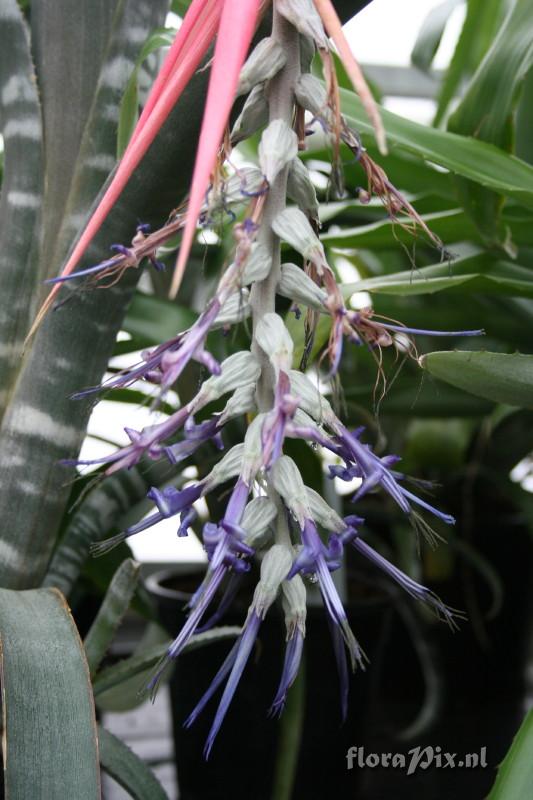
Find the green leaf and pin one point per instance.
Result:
(485, 111)
(486, 108)
(430, 34)
(481, 162)
(480, 273)
(129, 105)
(141, 663)
(128, 769)
(115, 604)
(126, 695)
(482, 21)
(515, 775)
(20, 123)
(499, 377)
(49, 721)
(449, 226)
(152, 320)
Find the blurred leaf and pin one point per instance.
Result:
(449, 226)
(20, 204)
(140, 663)
(129, 105)
(115, 604)
(126, 696)
(130, 771)
(435, 444)
(524, 121)
(152, 320)
(430, 34)
(482, 21)
(485, 112)
(49, 722)
(515, 774)
(479, 273)
(462, 155)
(497, 376)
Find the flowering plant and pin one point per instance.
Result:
(295, 323)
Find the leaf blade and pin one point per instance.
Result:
(49, 711)
(499, 377)
(129, 771)
(115, 604)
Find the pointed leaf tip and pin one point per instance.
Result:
(237, 26)
(333, 27)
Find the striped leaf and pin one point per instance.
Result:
(49, 721)
(97, 516)
(22, 188)
(115, 604)
(71, 350)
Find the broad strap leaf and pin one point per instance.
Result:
(496, 376)
(22, 187)
(49, 720)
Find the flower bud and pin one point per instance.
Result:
(307, 53)
(311, 401)
(242, 401)
(265, 61)
(300, 188)
(288, 482)
(311, 95)
(237, 370)
(323, 513)
(256, 521)
(228, 467)
(274, 569)
(305, 18)
(232, 191)
(294, 604)
(257, 265)
(253, 116)
(275, 340)
(235, 309)
(252, 456)
(293, 227)
(296, 285)
(278, 146)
